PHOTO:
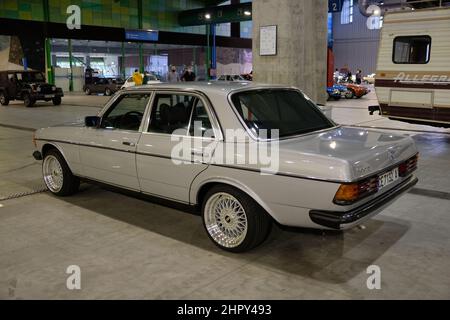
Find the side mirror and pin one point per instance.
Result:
(92, 121)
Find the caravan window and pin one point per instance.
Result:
(412, 50)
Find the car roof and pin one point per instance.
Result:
(218, 87)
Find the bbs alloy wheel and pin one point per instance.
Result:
(233, 220)
(57, 175)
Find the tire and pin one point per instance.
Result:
(56, 101)
(242, 228)
(28, 101)
(108, 92)
(349, 94)
(4, 101)
(57, 175)
(87, 91)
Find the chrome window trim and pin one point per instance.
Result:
(258, 139)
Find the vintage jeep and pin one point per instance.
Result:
(28, 86)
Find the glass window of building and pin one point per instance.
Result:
(347, 12)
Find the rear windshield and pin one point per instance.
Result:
(287, 110)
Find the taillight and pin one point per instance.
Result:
(409, 166)
(350, 193)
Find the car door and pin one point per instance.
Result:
(107, 153)
(177, 145)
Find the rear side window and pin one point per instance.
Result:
(412, 50)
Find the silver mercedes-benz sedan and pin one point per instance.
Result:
(244, 154)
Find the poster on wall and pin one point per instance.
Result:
(268, 41)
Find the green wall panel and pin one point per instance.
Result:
(157, 14)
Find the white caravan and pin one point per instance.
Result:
(413, 72)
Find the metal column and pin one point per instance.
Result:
(48, 47)
(140, 26)
(70, 65)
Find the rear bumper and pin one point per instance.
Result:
(347, 219)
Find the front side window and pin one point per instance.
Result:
(285, 110)
(126, 113)
(412, 50)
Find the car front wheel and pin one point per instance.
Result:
(87, 91)
(233, 220)
(56, 101)
(108, 92)
(4, 99)
(57, 175)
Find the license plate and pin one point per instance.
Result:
(49, 96)
(388, 178)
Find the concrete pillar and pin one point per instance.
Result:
(301, 59)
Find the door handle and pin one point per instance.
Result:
(130, 144)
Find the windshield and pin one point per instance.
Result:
(30, 77)
(287, 110)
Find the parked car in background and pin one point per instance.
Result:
(107, 86)
(231, 77)
(247, 76)
(336, 92)
(152, 79)
(326, 176)
(369, 79)
(354, 90)
(28, 86)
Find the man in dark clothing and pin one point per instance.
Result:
(188, 75)
(359, 77)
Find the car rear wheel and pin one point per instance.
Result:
(28, 101)
(87, 91)
(57, 175)
(233, 220)
(56, 101)
(108, 92)
(4, 101)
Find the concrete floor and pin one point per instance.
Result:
(128, 248)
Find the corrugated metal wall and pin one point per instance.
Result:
(354, 44)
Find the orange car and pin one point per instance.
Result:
(354, 90)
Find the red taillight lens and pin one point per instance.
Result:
(408, 166)
(350, 193)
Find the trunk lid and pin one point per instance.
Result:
(344, 154)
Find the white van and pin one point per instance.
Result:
(413, 73)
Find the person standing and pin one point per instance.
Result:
(137, 78)
(173, 75)
(188, 75)
(359, 76)
(336, 76)
(146, 77)
(349, 77)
